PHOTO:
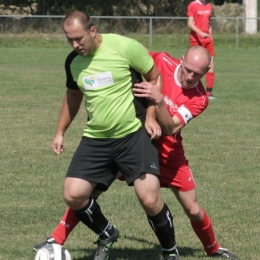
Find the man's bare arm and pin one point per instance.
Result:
(70, 107)
(169, 125)
(152, 126)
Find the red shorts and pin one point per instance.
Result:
(206, 44)
(180, 178)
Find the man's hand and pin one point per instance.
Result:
(152, 93)
(153, 128)
(204, 35)
(149, 91)
(57, 144)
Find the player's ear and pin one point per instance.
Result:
(93, 31)
(182, 59)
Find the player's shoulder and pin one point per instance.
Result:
(196, 101)
(197, 91)
(193, 3)
(71, 56)
(201, 94)
(112, 38)
(164, 57)
(201, 88)
(124, 45)
(208, 6)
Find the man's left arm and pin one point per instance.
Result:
(152, 126)
(210, 32)
(169, 125)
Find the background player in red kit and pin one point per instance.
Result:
(182, 98)
(199, 13)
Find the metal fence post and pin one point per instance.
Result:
(151, 31)
(237, 32)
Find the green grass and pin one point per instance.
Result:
(161, 41)
(222, 146)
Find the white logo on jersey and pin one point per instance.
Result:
(170, 103)
(200, 12)
(98, 80)
(165, 59)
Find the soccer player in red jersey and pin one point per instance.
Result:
(199, 13)
(181, 99)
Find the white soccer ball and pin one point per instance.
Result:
(53, 252)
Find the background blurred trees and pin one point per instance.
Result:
(105, 8)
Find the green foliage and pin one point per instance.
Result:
(20, 6)
(58, 7)
(105, 8)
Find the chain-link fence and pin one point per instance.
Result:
(224, 28)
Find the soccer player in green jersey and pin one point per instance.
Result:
(115, 138)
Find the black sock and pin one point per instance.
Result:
(93, 218)
(209, 90)
(162, 225)
(108, 231)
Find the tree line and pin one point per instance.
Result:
(104, 7)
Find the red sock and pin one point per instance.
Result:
(66, 225)
(205, 233)
(210, 78)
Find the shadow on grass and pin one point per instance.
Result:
(135, 254)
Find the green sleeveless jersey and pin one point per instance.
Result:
(105, 79)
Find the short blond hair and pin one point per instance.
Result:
(83, 18)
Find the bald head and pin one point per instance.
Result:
(78, 17)
(199, 55)
(194, 65)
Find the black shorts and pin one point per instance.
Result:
(99, 160)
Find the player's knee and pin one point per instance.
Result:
(74, 198)
(75, 203)
(76, 192)
(194, 212)
(147, 189)
(70, 198)
(151, 203)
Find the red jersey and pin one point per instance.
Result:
(186, 104)
(201, 13)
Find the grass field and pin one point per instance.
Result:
(222, 145)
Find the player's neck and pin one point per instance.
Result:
(99, 40)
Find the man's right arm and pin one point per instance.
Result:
(169, 125)
(70, 107)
